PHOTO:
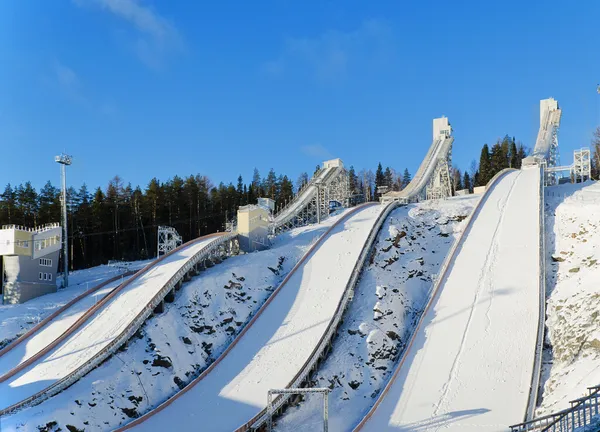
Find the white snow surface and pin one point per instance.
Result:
(388, 300)
(279, 342)
(470, 367)
(52, 330)
(97, 332)
(17, 319)
(572, 360)
(172, 348)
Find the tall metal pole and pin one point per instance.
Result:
(63, 171)
(64, 160)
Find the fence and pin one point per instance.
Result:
(582, 416)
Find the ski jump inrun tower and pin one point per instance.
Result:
(432, 180)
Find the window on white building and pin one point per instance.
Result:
(41, 275)
(49, 276)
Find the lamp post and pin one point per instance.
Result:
(64, 160)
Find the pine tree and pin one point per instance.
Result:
(379, 180)
(256, 184)
(8, 204)
(240, 199)
(354, 187)
(467, 182)
(388, 178)
(49, 204)
(286, 192)
(270, 186)
(485, 167)
(514, 157)
(595, 162)
(406, 179)
(498, 159)
(457, 179)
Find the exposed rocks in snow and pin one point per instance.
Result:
(387, 303)
(571, 360)
(174, 347)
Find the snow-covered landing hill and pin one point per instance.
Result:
(572, 354)
(17, 319)
(388, 301)
(171, 348)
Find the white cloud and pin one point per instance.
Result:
(67, 78)
(69, 82)
(156, 37)
(316, 151)
(331, 55)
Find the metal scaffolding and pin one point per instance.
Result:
(582, 167)
(318, 390)
(168, 239)
(333, 187)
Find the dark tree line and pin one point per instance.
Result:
(505, 153)
(595, 162)
(120, 221)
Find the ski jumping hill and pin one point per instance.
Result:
(470, 363)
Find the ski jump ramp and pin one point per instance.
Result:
(279, 340)
(104, 327)
(470, 363)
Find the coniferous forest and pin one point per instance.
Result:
(119, 221)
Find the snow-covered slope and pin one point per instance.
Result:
(470, 366)
(17, 319)
(172, 348)
(105, 325)
(35, 343)
(572, 358)
(388, 300)
(278, 343)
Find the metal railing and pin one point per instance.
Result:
(439, 149)
(319, 351)
(248, 325)
(539, 346)
(131, 328)
(439, 280)
(305, 186)
(303, 198)
(583, 415)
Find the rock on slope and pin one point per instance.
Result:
(572, 354)
(388, 301)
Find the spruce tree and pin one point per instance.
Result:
(379, 178)
(467, 182)
(406, 179)
(485, 167)
(388, 177)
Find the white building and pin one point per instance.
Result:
(30, 261)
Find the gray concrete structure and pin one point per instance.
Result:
(26, 278)
(30, 261)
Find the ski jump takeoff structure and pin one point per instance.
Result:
(432, 180)
(473, 361)
(311, 204)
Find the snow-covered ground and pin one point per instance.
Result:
(278, 343)
(470, 366)
(105, 325)
(388, 300)
(174, 347)
(17, 319)
(572, 357)
(35, 343)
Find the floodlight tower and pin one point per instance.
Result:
(64, 160)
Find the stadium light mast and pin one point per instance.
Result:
(64, 160)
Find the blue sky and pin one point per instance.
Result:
(144, 88)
